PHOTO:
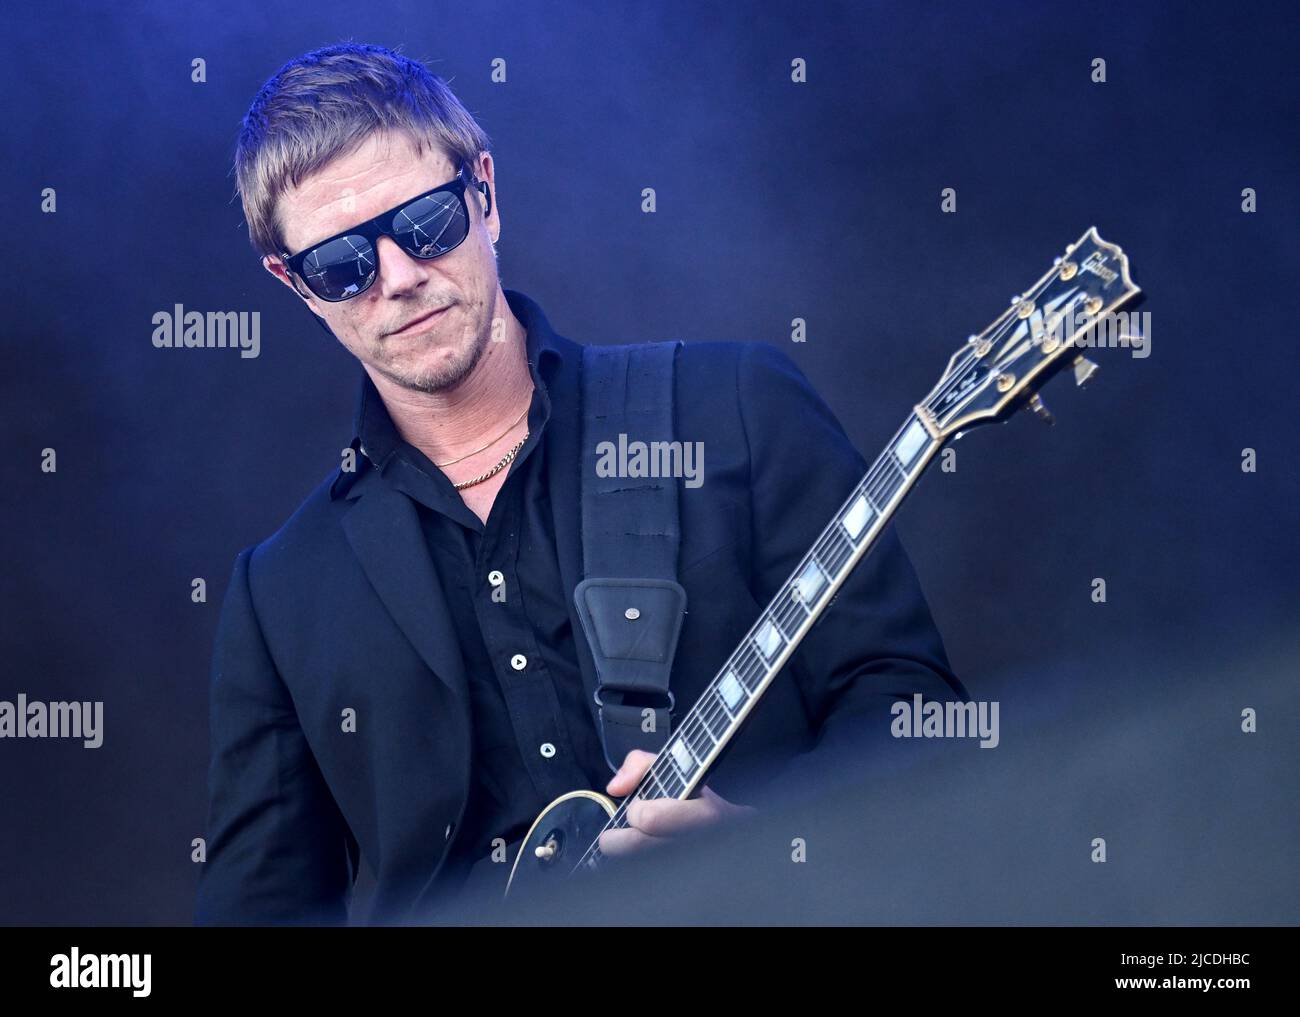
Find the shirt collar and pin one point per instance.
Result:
(374, 435)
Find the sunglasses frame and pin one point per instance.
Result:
(372, 229)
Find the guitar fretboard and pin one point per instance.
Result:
(719, 713)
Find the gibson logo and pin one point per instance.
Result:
(1095, 263)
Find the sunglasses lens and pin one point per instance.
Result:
(341, 268)
(431, 225)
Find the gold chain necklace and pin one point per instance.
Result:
(506, 460)
(449, 462)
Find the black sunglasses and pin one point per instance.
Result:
(426, 226)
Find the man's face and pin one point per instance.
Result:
(432, 355)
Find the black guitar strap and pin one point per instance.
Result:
(629, 600)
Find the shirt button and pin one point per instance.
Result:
(547, 750)
(519, 662)
(446, 834)
(495, 578)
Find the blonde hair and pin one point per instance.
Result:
(325, 104)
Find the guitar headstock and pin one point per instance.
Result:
(1049, 325)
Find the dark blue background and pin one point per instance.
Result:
(775, 200)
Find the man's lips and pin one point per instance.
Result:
(419, 323)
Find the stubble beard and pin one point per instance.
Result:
(447, 374)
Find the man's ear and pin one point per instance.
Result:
(486, 171)
(278, 269)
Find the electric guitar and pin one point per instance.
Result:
(988, 378)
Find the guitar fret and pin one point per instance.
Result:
(838, 546)
(713, 717)
(698, 738)
(748, 671)
(654, 778)
(666, 778)
(884, 492)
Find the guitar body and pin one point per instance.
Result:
(558, 838)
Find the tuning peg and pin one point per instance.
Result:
(1040, 410)
(1084, 369)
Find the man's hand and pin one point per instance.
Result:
(654, 821)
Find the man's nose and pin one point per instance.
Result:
(398, 271)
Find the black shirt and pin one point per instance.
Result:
(534, 731)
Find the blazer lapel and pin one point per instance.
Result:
(384, 530)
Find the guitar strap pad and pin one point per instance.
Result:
(629, 601)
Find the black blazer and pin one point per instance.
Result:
(340, 610)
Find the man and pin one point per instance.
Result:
(399, 671)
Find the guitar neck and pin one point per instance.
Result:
(719, 713)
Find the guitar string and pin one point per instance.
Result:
(710, 705)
